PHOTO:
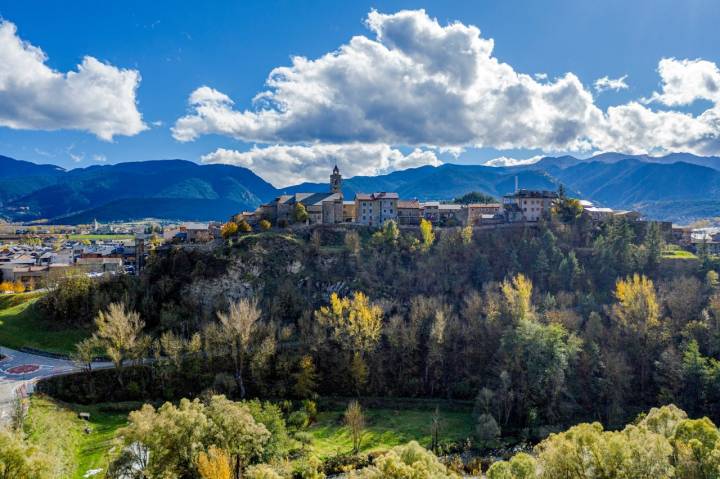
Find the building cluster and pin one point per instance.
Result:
(33, 264)
(374, 209)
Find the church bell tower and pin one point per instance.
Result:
(335, 180)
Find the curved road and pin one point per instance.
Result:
(22, 370)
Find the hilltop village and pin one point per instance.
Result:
(374, 209)
(30, 255)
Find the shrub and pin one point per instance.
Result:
(298, 420)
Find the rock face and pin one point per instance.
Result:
(258, 266)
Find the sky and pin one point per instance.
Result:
(289, 88)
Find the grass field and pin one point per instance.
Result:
(678, 254)
(21, 327)
(92, 237)
(386, 428)
(57, 429)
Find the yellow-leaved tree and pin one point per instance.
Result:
(214, 464)
(518, 298)
(637, 313)
(356, 324)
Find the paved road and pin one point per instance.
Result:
(20, 369)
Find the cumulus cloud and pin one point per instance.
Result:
(284, 165)
(507, 161)
(685, 81)
(415, 82)
(98, 97)
(607, 83)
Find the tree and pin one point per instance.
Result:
(305, 377)
(168, 441)
(85, 352)
(215, 464)
(19, 460)
(245, 227)
(265, 225)
(356, 325)
(487, 431)
(466, 235)
(229, 229)
(474, 197)
(235, 430)
(355, 321)
(435, 426)
(520, 466)
(568, 210)
(238, 325)
(428, 236)
(352, 242)
(119, 332)
(300, 214)
(410, 461)
(518, 298)
(637, 312)
(355, 421)
(18, 287)
(391, 232)
(654, 244)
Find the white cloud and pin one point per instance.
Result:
(507, 161)
(541, 76)
(607, 83)
(98, 97)
(684, 81)
(99, 158)
(414, 82)
(284, 165)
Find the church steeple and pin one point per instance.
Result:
(335, 180)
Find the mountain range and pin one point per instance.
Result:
(678, 187)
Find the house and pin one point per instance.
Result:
(349, 213)
(188, 232)
(450, 214)
(31, 274)
(430, 210)
(682, 235)
(529, 205)
(322, 208)
(409, 212)
(476, 213)
(597, 213)
(374, 209)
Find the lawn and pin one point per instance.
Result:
(20, 326)
(386, 428)
(678, 254)
(92, 237)
(56, 428)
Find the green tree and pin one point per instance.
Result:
(300, 214)
(19, 460)
(410, 461)
(119, 332)
(355, 422)
(474, 197)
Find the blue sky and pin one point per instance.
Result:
(231, 47)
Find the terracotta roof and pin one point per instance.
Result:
(408, 204)
(484, 205)
(382, 195)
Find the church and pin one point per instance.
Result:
(322, 208)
